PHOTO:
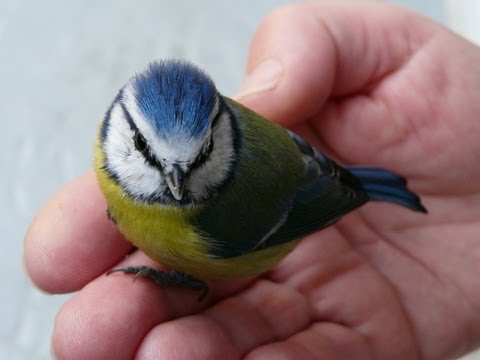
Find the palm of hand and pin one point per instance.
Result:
(381, 283)
(386, 275)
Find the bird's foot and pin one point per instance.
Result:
(165, 278)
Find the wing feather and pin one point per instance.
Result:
(328, 192)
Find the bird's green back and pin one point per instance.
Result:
(257, 198)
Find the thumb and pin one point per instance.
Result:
(283, 69)
(305, 54)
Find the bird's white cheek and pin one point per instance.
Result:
(126, 163)
(139, 178)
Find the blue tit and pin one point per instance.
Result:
(210, 188)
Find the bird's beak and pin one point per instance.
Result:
(176, 181)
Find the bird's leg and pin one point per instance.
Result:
(165, 278)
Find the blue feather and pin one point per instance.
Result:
(177, 97)
(382, 185)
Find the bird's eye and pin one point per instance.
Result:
(140, 142)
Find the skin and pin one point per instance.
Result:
(392, 89)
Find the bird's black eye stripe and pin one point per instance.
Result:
(129, 118)
(210, 145)
(204, 155)
(140, 142)
(138, 139)
(142, 146)
(207, 150)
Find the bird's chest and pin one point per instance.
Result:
(165, 234)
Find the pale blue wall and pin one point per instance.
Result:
(431, 8)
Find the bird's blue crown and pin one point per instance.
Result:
(176, 97)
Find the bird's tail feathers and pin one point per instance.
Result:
(382, 185)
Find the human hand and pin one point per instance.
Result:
(369, 84)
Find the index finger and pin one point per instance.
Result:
(71, 241)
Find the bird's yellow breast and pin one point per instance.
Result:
(163, 232)
(166, 234)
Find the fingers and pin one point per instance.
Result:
(71, 241)
(112, 314)
(271, 320)
(371, 84)
(108, 318)
(282, 68)
(192, 337)
(264, 313)
(342, 288)
(246, 327)
(303, 54)
(319, 341)
(268, 310)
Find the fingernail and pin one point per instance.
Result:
(264, 77)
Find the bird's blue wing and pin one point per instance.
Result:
(327, 193)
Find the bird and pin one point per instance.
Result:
(211, 189)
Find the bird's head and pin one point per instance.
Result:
(168, 136)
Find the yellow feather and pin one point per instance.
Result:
(167, 236)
